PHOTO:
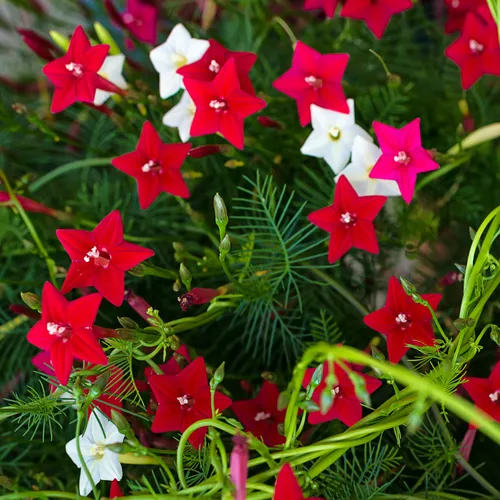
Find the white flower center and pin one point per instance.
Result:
(151, 166)
(475, 46)
(179, 60)
(214, 66)
(314, 82)
(403, 158)
(335, 391)
(101, 257)
(76, 69)
(494, 396)
(218, 105)
(403, 320)
(97, 451)
(93, 253)
(334, 133)
(186, 402)
(262, 415)
(348, 218)
(59, 330)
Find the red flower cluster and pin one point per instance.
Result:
(375, 13)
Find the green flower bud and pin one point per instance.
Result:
(60, 40)
(122, 424)
(317, 377)
(105, 37)
(224, 247)
(99, 385)
(360, 388)
(139, 271)
(185, 276)
(218, 376)
(309, 405)
(221, 218)
(408, 287)
(283, 400)
(325, 400)
(128, 323)
(495, 334)
(31, 300)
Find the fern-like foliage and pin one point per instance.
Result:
(324, 328)
(278, 248)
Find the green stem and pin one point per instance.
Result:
(22, 495)
(342, 291)
(68, 167)
(27, 221)
(80, 417)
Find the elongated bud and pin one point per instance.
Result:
(495, 334)
(218, 376)
(31, 300)
(309, 405)
(360, 388)
(408, 287)
(40, 46)
(224, 247)
(139, 271)
(128, 323)
(463, 107)
(268, 122)
(105, 37)
(325, 400)
(317, 377)
(185, 276)
(283, 400)
(60, 40)
(99, 385)
(221, 218)
(122, 424)
(208, 150)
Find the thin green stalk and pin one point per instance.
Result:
(27, 221)
(80, 417)
(68, 167)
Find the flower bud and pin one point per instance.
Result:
(224, 247)
(309, 405)
(39, 45)
(218, 376)
(317, 377)
(99, 385)
(221, 218)
(408, 287)
(60, 40)
(208, 150)
(139, 271)
(185, 276)
(360, 390)
(128, 323)
(283, 400)
(31, 300)
(268, 122)
(325, 400)
(495, 334)
(105, 37)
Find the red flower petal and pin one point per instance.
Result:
(82, 312)
(76, 242)
(109, 232)
(85, 346)
(110, 283)
(61, 358)
(128, 255)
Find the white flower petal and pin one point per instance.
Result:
(170, 83)
(112, 70)
(110, 467)
(196, 50)
(316, 144)
(337, 155)
(85, 486)
(85, 446)
(179, 38)
(101, 96)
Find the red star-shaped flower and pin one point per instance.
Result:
(209, 66)
(261, 416)
(403, 156)
(155, 166)
(75, 74)
(65, 330)
(287, 487)
(375, 13)
(403, 321)
(346, 406)
(476, 51)
(314, 78)
(141, 19)
(184, 399)
(101, 257)
(485, 392)
(329, 6)
(457, 12)
(221, 105)
(349, 220)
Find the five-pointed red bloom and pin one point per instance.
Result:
(74, 75)
(141, 19)
(214, 59)
(346, 406)
(457, 12)
(375, 13)
(403, 156)
(155, 166)
(485, 392)
(287, 487)
(349, 220)
(221, 105)
(314, 78)
(184, 399)
(476, 51)
(403, 321)
(101, 257)
(261, 416)
(65, 330)
(329, 6)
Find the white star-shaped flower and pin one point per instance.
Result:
(178, 50)
(364, 156)
(332, 136)
(112, 70)
(181, 116)
(102, 463)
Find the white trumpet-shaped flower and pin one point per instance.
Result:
(102, 463)
(181, 116)
(178, 50)
(332, 136)
(364, 156)
(112, 70)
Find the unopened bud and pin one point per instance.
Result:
(99, 385)
(360, 390)
(208, 150)
(408, 287)
(60, 40)
(269, 377)
(218, 376)
(268, 122)
(309, 405)
(31, 300)
(128, 323)
(317, 377)
(224, 247)
(463, 107)
(495, 334)
(185, 276)
(325, 400)
(393, 80)
(221, 218)
(139, 271)
(122, 424)
(283, 400)
(105, 37)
